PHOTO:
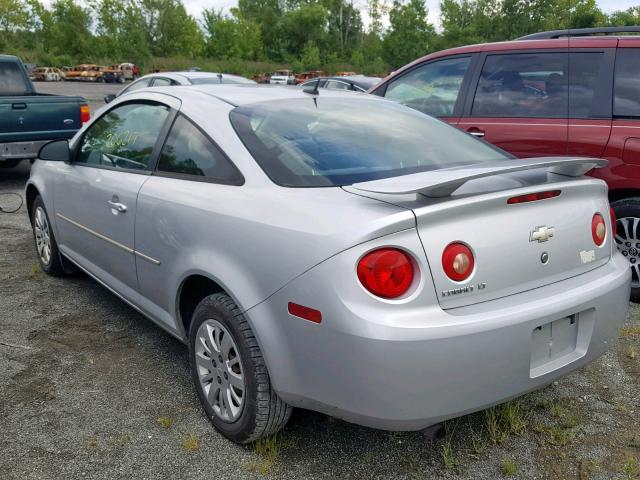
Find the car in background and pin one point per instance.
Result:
(304, 76)
(112, 75)
(48, 74)
(165, 79)
(129, 70)
(565, 92)
(86, 72)
(356, 83)
(30, 119)
(339, 253)
(282, 77)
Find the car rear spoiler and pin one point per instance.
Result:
(442, 183)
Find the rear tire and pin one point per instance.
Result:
(627, 213)
(46, 245)
(224, 356)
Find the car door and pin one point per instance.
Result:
(520, 102)
(591, 66)
(95, 194)
(435, 87)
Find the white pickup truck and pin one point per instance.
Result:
(282, 77)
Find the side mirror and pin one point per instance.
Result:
(109, 98)
(56, 151)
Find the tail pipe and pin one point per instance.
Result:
(434, 432)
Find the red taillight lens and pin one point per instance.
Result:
(532, 197)
(457, 261)
(598, 229)
(614, 227)
(387, 272)
(85, 114)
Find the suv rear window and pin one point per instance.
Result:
(627, 83)
(12, 81)
(334, 141)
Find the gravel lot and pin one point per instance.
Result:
(91, 389)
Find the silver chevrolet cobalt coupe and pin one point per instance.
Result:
(336, 252)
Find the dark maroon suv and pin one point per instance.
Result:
(566, 92)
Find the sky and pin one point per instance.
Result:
(195, 7)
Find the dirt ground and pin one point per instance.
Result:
(91, 389)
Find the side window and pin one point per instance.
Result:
(123, 137)
(139, 85)
(336, 85)
(584, 70)
(523, 85)
(627, 83)
(161, 82)
(11, 80)
(432, 88)
(188, 151)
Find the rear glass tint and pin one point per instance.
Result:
(339, 141)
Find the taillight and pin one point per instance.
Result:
(387, 272)
(533, 197)
(614, 227)
(457, 261)
(598, 229)
(85, 113)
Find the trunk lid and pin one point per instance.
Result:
(509, 241)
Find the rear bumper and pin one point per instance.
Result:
(430, 365)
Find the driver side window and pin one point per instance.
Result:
(432, 88)
(124, 137)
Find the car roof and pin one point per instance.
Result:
(244, 94)
(188, 75)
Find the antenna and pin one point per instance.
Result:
(220, 77)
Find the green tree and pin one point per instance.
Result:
(67, 29)
(120, 30)
(170, 29)
(410, 35)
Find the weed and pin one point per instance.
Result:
(559, 436)
(508, 467)
(631, 469)
(165, 422)
(191, 443)
(503, 420)
(448, 459)
(268, 449)
(122, 440)
(477, 443)
(92, 442)
(632, 353)
(36, 272)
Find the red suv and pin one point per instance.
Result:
(566, 92)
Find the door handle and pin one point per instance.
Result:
(120, 207)
(476, 132)
(19, 106)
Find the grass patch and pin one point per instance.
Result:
(630, 332)
(632, 353)
(449, 460)
(502, 421)
(508, 467)
(268, 450)
(191, 443)
(165, 422)
(92, 442)
(631, 469)
(36, 272)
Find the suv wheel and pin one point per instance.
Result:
(230, 375)
(627, 213)
(46, 246)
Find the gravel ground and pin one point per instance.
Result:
(91, 389)
(93, 92)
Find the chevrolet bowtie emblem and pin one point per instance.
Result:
(542, 234)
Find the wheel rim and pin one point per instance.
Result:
(220, 371)
(43, 236)
(628, 242)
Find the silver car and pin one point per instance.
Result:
(336, 252)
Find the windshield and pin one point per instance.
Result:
(347, 140)
(216, 80)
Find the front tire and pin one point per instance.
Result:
(627, 239)
(46, 245)
(230, 374)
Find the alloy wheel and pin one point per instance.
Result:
(43, 235)
(628, 243)
(220, 371)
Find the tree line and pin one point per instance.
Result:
(306, 34)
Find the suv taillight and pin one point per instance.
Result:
(85, 114)
(598, 229)
(386, 272)
(457, 261)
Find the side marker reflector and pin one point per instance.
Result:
(306, 313)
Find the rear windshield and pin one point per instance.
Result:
(12, 81)
(340, 141)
